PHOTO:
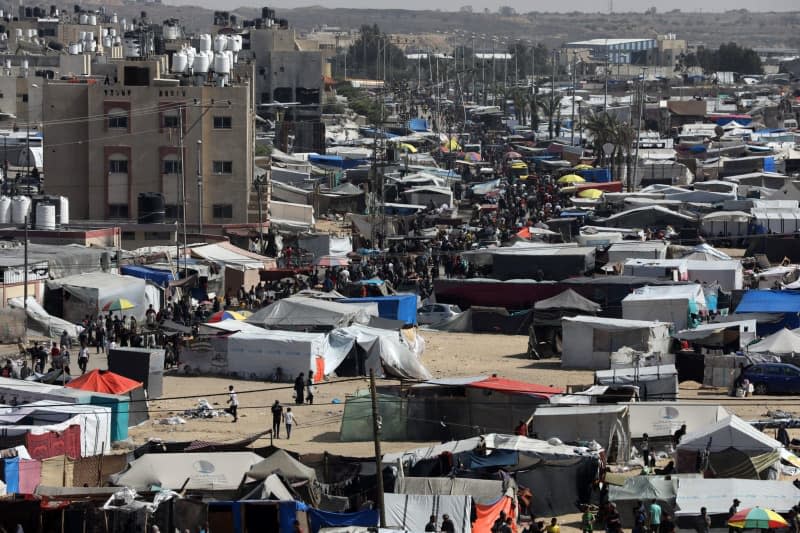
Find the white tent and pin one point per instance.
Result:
(604, 424)
(781, 342)
(655, 382)
(309, 313)
(396, 353)
(728, 274)
(665, 303)
(87, 294)
(411, 511)
(663, 419)
(716, 495)
(589, 341)
(730, 432)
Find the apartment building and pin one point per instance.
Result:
(110, 137)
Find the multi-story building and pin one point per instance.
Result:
(110, 137)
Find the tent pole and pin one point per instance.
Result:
(376, 437)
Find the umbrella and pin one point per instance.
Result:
(583, 166)
(331, 261)
(571, 178)
(451, 145)
(594, 194)
(513, 155)
(120, 304)
(407, 147)
(219, 316)
(472, 156)
(757, 518)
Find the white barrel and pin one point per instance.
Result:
(32, 33)
(19, 33)
(81, 35)
(84, 18)
(201, 63)
(113, 32)
(20, 206)
(92, 20)
(5, 210)
(205, 42)
(45, 216)
(237, 43)
(107, 42)
(105, 32)
(179, 62)
(63, 213)
(131, 47)
(89, 36)
(91, 46)
(24, 64)
(170, 32)
(8, 63)
(222, 64)
(4, 36)
(114, 19)
(220, 41)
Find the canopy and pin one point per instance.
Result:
(89, 294)
(783, 341)
(730, 432)
(104, 381)
(571, 178)
(716, 495)
(515, 387)
(767, 301)
(593, 194)
(301, 313)
(205, 471)
(569, 299)
(283, 464)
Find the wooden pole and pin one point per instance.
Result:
(376, 438)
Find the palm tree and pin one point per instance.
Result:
(600, 127)
(550, 107)
(604, 129)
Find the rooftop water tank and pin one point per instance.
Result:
(92, 20)
(222, 64)
(220, 42)
(202, 62)
(179, 62)
(84, 18)
(20, 207)
(205, 42)
(63, 212)
(45, 216)
(5, 210)
(171, 32)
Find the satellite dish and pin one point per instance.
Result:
(608, 148)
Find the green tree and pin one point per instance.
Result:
(551, 107)
(365, 57)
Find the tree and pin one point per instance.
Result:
(551, 107)
(365, 55)
(604, 128)
(507, 11)
(466, 9)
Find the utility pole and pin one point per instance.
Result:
(200, 185)
(25, 266)
(183, 187)
(638, 130)
(572, 118)
(605, 82)
(376, 430)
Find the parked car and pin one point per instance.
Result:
(773, 378)
(435, 313)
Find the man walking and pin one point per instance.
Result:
(655, 517)
(732, 511)
(288, 421)
(277, 414)
(233, 400)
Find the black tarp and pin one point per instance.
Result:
(549, 312)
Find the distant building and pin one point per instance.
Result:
(622, 51)
(111, 137)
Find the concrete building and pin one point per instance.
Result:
(616, 51)
(111, 137)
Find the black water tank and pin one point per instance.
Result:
(151, 208)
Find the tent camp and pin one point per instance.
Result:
(550, 311)
(220, 471)
(590, 341)
(734, 447)
(388, 352)
(110, 383)
(87, 294)
(642, 489)
(783, 341)
(410, 512)
(482, 490)
(308, 314)
(659, 382)
(605, 424)
(663, 419)
(768, 301)
(665, 303)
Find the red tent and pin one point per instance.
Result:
(104, 381)
(515, 387)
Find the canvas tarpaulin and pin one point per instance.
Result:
(324, 519)
(357, 417)
(485, 491)
(388, 351)
(321, 244)
(642, 488)
(310, 313)
(658, 382)
(605, 424)
(42, 322)
(412, 511)
(716, 495)
(486, 514)
(556, 488)
(87, 294)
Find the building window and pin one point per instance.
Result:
(118, 118)
(172, 166)
(157, 236)
(118, 166)
(222, 123)
(223, 167)
(223, 211)
(173, 212)
(170, 121)
(128, 235)
(117, 210)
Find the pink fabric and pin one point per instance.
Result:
(29, 473)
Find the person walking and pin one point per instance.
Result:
(83, 358)
(310, 388)
(447, 525)
(703, 524)
(732, 511)
(430, 527)
(553, 527)
(277, 415)
(288, 421)
(233, 400)
(655, 517)
(587, 520)
(299, 388)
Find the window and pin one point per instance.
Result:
(173, 212)
(172, 166)
(222, 123)
(118, 211)
(170, 121)
(118, 119)
(223, 167)
(24, 98)
(223, 211)
(128, 235)
(157, 236)
(118, 166)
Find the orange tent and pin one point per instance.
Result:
(487, 514)
(104, 381)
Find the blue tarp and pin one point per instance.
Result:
(397, 307)
(768, 301)
(335, 161)
(319, 519)
(159, 277)
(120, 413)
(596, 175)
(418, 124)
(287, 514)
(769, 164)
(497, 458)
(11, 473)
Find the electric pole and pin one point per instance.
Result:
(376, 429)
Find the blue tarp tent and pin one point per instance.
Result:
(319, 519)
(11, 475)
(397, 307)
(769, 301)
(418, 124)
(159, 277)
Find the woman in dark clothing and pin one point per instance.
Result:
(299, 387)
